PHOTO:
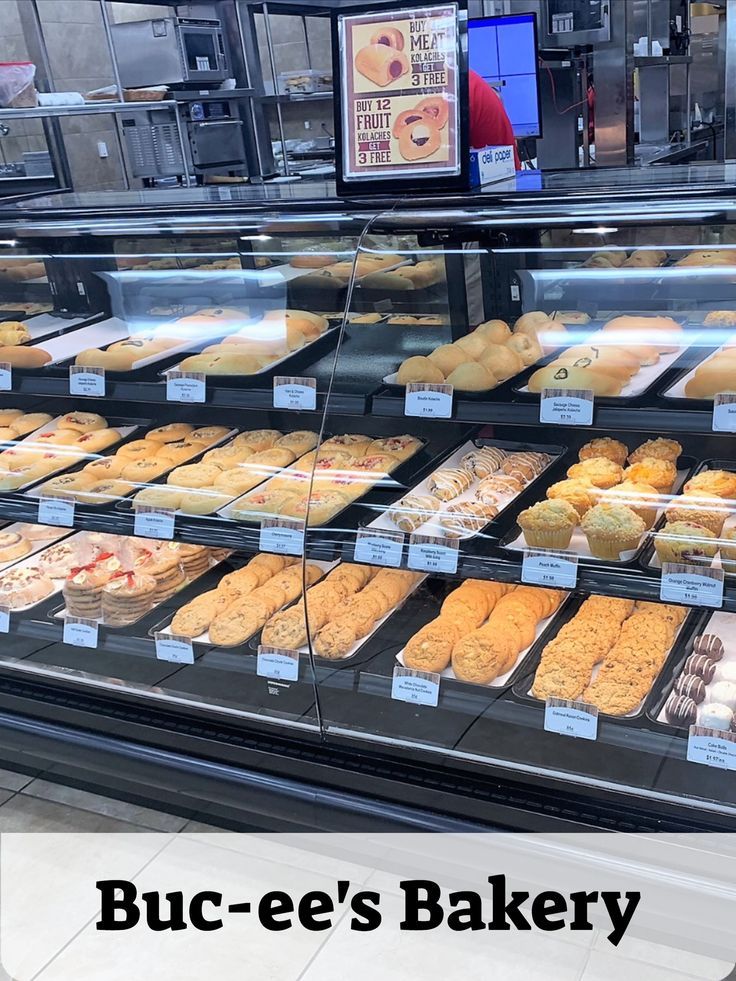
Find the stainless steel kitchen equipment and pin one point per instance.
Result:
(175, 51)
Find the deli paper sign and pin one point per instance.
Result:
(400, 105)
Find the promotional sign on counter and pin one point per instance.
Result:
(400, 95)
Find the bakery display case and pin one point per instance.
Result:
(427, 504)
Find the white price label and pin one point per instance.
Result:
(176, 650)
(154, 522)
(571, 718)
(724, 413)
(86, 381)
(566, 408)
(418, 687)
(294, 393)
(55, 511)
(546, 567)
(379, 547)
(428, 401)
(691, 585)
(4, 620)
(277, 664)
(186, 386)
(6, 376)
(712, 747)
(428, 554)
(284, 536)
(80, 632)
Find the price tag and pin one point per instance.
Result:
(374, 546)
(419, 687)
(80, 632)
(428, 554)
(4, 619)
(693, 585)
(55, 511)
(86, 381)
(428, 401)
(712, 747)
(282, 535)
(546, 567)
(294, 393)
(275, 663)
(150, 522)
(570, 718)
(177, 650)
(566, 407)
(186, 386)
(724, 413)
(6, 376)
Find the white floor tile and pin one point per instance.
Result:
(10, 780)
(107, 806)
(613, 967)
(671, 958)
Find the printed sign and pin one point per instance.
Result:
(571, 718)
(566, 407)
(186, 386)
(712, 747)
(54, 511)
(494, 163)
(428, 401)
(430, 554)
(150, 522)
(693, 585)
(80, 632)
(294, 393)
(545, 567)
(86, 381)
(400, 93)
(4, 619)
(724, 413)
(6, 376)
(418, 687)
(278, 664)
(374, 546)
(282, 535)
(176, 650)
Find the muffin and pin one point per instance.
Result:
(548, 524)
(685, 541)
(711, 483)
(710, 515)
(598, 470)
(643, 499)
(611, 449)
(728, 549)
(660, 474)
(658, 449)
(612, 529)
(575, 492)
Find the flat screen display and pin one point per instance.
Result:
(503, 50)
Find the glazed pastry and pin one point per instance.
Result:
(467, 518)
(499, 485)
(448, 483)
(524, 466)
(412, 511)
(402, 447)
(13, 545)
(483, 460)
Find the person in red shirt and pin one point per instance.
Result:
(489, 124)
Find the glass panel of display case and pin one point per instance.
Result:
(549, 593)
(146, 552)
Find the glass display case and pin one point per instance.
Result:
(437, 495)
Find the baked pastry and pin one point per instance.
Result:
(579, 493)
(659, 473)
(299, 442)
(606, 259)
(599, 471)
(612, 529)
(447, 357)
(659, 449)
(707, 514)
(356, 445)
(577, 318)
(720, 318)
(126, 598)
(526, 346)
(502, 361)
(560, 376)
(419, 369)
(401, 447)
(643, 499)
(467, 518)
(24, 586)
(498, 485)
(13, 545)
(548, 524)
(711, 483)
(412, 511)
(449, 482)
(524, 466)
(684, 541)
(494, 331)
(471, 376)
(611, 449)
(482, 461)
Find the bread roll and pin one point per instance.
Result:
(526, 346)
(448, 357)
(710, 379)
(381, 64)
(530, 320)
(473, 345)
(610, 361)
(471, 377)
(311, 260)
(228, 362)
(663, 333)
(494, 331)
(418, 369)
(501, 361)
(24, 357)
(388, 282)
(562, 376)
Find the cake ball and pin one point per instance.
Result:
(710, 645)
(723, 692)
(713, 715)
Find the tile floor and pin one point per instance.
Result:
(34, 804)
